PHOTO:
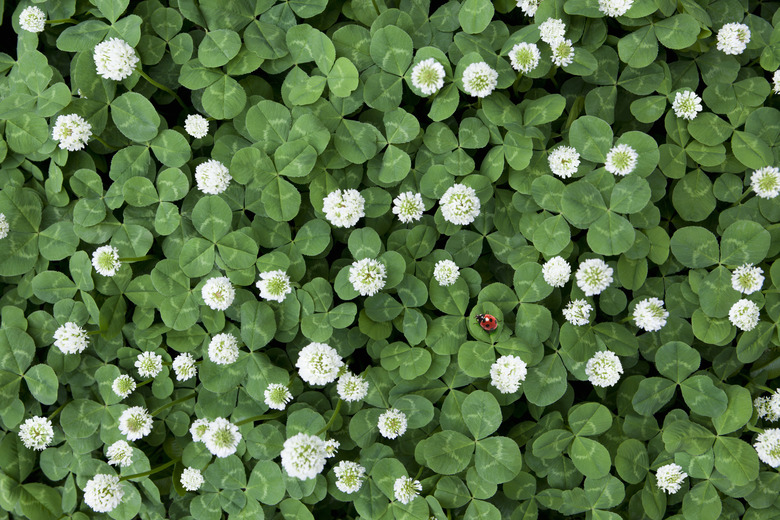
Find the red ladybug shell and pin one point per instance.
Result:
(487, 321)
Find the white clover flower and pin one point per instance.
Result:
(277, 396)
(349, 476)
(344, 208)
(479, 79)
(744, 315)
(198, 429)
(4, 227)
(148, 364)
(507, 373)
(196, 125)
(191, 479)
(120, 453)
(551, 30)
(70, 338)
(733, 38)
(274, 285)
(747, 278)
(767, 408)
(221, 437)
(223, 349)
(123, 385)
(103, 493)
(392, 423)
(528, 7)
(105, 260)
(331, 447)
(604, 368)
(686, 104)
(669, 478)
(524, 57)
(218, 293)
(212, 177)
(460, 204)
(593, 276)
(446, 272)
(135, 423)
(72, 131)
(766, 182)
(184, 367)
(36, 433)
(406, 489)
(367, 276)
(562, 52)
(556, 271)
(319, 364)
(115, 59)
(621, 160)
(564, 161)
(577, 312)
(428, 76)
(351, 387)
(774, 406)
(32, 19)
(650, 315)
(776, 81)
(768, 447)
(408, 206)
(615, 7)
(303, 456)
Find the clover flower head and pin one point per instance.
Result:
(460, 204)
(577, 312)
(103, 493)
(774, 406)
(428, 76)
(528, 7)
(191, 479)
(446, 272)
(479, 79)
(120, 453)
(221, 437)
(123, 385)
(197, 126)
(4, 227)
(744, 315)
(562, 52)
(556, 271)
(198, 429)
(524, 57)
(776, 81)
(212, 177)
(686, 104)
(367, 276)
(670, 477)
(615, 7)
(767, 407)
(303, 456)
(747, 278)
(70, 338)
(319, 364)
(36, 433)
(218, 293)
(593, 276)
(767, 446)
(766, 182)
(733, 38)
(135, 423)
(351, 387)
(115, 59)
(551, 30)
(72, 131)
(564, 161)
(105, 260)
(507, 373)
(408, 206)
(392, 423)
(331, 448)
(405, 489)
(650, 315)
(274, 285)
(223, 349)
(184, 367)
(148, 364)
(621, 160)
(604, 369)
(32, 19)
(343, 208)
(349, 476)
(277, 396)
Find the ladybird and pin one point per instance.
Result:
(487, 322)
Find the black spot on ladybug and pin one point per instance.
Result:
(487, 321)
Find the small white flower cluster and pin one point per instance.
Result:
(4, 226)
(507, 373)
(776, 81)
(120, 454)
(562, 52)
(564, 161)
(36, 433)
(197, 126)
(198, 429)
(524, 57)
(768, 407)
(615, 7)
(191, 479)
(428, 76)
(650, 315)
(405, 489)
(274, 285)
(123, 386)
(70, 338)
(115, 59)
(767, 446)
(105, 260)
(733, 38)
(223, 349)
(577, 312)
(221, 437)
(351, 387)
(604, 368)
(319, 364)
(479, 79)
(277, 396)
(303, 455)
(593, 276)
(32, 19)
(212, 177)
(686, 104)
(744, 315)
(72, 131)
(747, 278)
(528, 7)
(135, 423)
(766, 182)
(460, 204)
(343, 208)
(670, 477)
(184, 367)
(408, 206)
(367, 276)
(218, 293)
(148, 364)
(446, 272)
(349, 476)
(103, 493)
(621, 160)
(556, 271)
(552, 32)
(392, 423)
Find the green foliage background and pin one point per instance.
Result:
(307, 96)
